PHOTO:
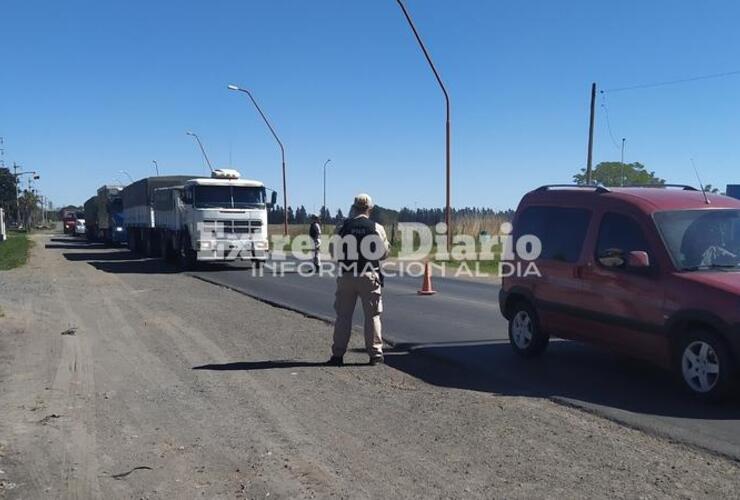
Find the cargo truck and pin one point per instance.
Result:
(733, 190)
(109, 220)
(222, 218)
(138, 211)
(91, 217)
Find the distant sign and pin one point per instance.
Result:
(733, 190)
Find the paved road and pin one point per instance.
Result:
(461, 326)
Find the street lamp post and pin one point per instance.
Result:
(156, 166)
(448, 209)
(202, 149)
(16, 177)
(127, 175)
(282, 151)
(324, 207)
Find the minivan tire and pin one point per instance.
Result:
(705, 366)
(525, 334)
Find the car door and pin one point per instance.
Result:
(624, 305)
(557, 290)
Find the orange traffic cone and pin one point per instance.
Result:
(426, 286)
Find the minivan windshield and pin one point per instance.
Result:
(229, 197)
(702, 239)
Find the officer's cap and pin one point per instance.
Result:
(363, 202)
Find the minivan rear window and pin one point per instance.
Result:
(561, 230)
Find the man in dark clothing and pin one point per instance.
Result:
(314, 232)
(362, 246)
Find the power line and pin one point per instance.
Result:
(608, 122)
(674, 82)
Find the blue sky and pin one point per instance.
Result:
(89, 88)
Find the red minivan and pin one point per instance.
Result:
(652, 272)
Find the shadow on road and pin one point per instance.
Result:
(267, 365)
(119, 260)
(568, 371)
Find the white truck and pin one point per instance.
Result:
(223, 218)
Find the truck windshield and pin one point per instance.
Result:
(229, 197)
(702, 239)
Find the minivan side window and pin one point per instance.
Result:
(619, 235)
(562, 231)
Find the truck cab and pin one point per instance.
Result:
(222, 218)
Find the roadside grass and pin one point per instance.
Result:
(14, 251)
(473, 266)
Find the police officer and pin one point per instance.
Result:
(361, 245)
(314, 231)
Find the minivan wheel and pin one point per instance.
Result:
(525, 335)
(705, 366)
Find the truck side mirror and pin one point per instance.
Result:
(273, 199)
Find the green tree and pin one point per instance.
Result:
(7, 190)
(711, 189)
(610, 173)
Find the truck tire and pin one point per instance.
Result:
(131, 239)
(165, 248)
(188, 257)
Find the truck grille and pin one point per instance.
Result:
(233, 226)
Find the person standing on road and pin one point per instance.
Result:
(314, 231)
(361, 246)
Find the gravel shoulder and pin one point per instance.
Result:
(169, 387)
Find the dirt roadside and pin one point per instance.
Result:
(168, 387)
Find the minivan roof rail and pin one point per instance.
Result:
(599, 188)
(685, 187)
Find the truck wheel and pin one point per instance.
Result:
(188, 257)
(164, 250)
(148, 250)
(705, 366)
(131, 240)
(525, 334)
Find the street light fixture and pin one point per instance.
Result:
(324, 208)
(156, 166)
(202, 149)
(448, 209)
(282, 151)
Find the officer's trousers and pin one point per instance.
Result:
(367, 288)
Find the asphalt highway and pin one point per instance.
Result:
(462, 327)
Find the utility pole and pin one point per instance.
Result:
(17, 193)
(622, 162)
(589, 158)
(323, 210)
(448, 208)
